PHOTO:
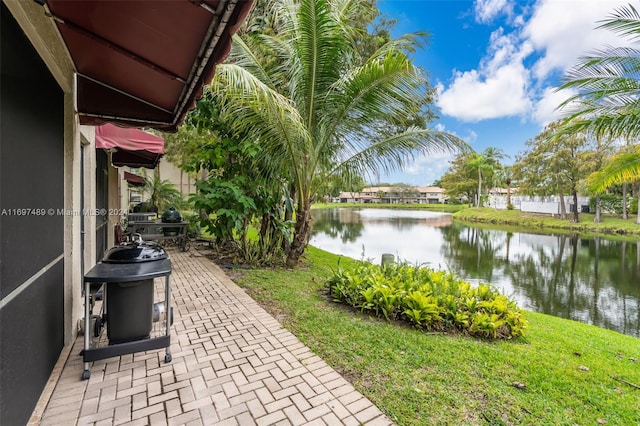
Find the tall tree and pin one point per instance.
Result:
(555, 163)
(486, 164)
(505, 177)
(470, 172)
(460, 181)
(317, 107)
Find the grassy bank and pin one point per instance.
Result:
(573, 373)
(445, 208)
(610, 224)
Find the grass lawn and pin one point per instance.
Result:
(610, 224)
(573, 373)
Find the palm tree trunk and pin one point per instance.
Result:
(301, 233)
(598, 218)
(288, 217)
(479, 187)
(625, 214)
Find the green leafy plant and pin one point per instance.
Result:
(162, 194)
(228, 202)
(428, 299)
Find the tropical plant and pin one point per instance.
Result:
(621, 169)
(470, 172)
(162, 193)
(485, 164)
(607, 84)
(428, 299)
(317, 107)
(505, 177)
(606, 102)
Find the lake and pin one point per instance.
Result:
(595, 280)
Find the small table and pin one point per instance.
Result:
(109, 273)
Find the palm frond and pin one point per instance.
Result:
(244, 57)
(317, 47)
(392, 153)
(605, 121)
(378, 92)
(623, 168)
(624, 20)
(252, 108)
(407, 43)
(606, 72)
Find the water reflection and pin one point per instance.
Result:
(593, 280)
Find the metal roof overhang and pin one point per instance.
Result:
(144, 63)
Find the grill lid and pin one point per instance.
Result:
(171, 216)
(135, 251)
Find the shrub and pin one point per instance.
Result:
(633, 205)
(428, 299)
(609, 203)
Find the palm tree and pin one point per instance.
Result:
(486, 164)
(318, 108)
(607, 102)
(162, 193)
(505, 176)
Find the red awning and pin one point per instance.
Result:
(144, 63)
(134, 179)
(133, 147)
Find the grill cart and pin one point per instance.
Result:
(127, 273)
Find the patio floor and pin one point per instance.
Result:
(233, 364)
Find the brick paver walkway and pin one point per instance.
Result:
(233, 364)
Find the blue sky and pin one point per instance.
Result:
(496, 64)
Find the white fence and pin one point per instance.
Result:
(545, 205)
(539, 207)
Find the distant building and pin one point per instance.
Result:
(396, 195)
(432, 195)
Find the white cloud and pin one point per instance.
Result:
(475, 96)
(471, 137)
(487, 10)
(564, 30)
(499, 88)
(545, 110)
(425, 169)
(512, 79)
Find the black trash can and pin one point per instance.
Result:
(129, 313)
